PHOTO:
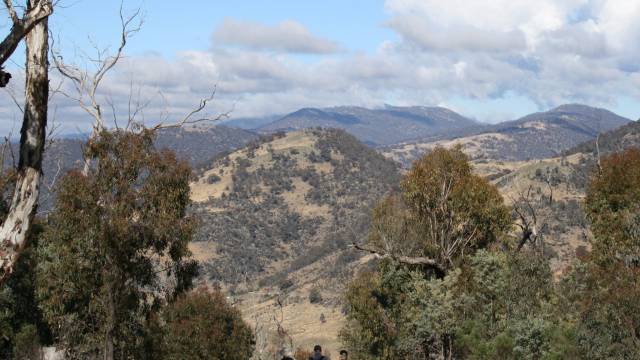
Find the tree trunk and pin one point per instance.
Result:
(15, 229)
(110, 320)
(21, 27)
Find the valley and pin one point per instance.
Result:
(278, 212)
(297, 239)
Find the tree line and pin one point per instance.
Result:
(454, 285)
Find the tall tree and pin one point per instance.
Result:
(605, 286)
(443, 213)
(115, 248)
(613, 206)
(19, 219)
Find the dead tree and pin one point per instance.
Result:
(525, 210)
(15, 228)
(86, 86)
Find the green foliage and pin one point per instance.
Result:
(444, 211)
(115, 247)
(496, 306)
(603, 290)
(27, 343)
(604, 299)
(22, 327)
(203, 325)
(374, 313)
(613, 206)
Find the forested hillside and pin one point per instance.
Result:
(286, 202)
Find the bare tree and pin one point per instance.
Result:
(85, 83)
(86, 86)
(16, 226)
(525, 210)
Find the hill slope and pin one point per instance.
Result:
(285, 202)
(277, 218)
(194, 144)
(535, 136)
(615, 140)
(376, 127)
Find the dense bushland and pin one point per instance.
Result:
(488, 299)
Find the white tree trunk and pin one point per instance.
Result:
(15, 229)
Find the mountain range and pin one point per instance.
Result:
(385, 126)
(535, 136)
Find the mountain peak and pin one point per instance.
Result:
(576, 108)
(384, 126)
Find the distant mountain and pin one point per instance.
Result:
(535, 136)
(194, 144)
(251, 123)
(615, 140)
(198, 144)
(385, 126)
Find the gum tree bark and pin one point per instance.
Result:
(15, 229)
(37, 11)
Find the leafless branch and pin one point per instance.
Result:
(527, 215)
(189, 118)
(39, 10)
(409, 260)
(87, 85)
(51, 185)
(13, 97)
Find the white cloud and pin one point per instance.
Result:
(548, 52)
(286, 36)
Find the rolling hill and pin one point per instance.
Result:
(285, 202)
(535, 136)
(615, 140)
(559, 185)
(277, 218)
(385, 126)
(196, 144)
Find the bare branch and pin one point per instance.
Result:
(22, 26)
(188, 119)
(12, 11)
(52, 184)
(87, 84)
(13, 97)
(409, 260)
(526, 212)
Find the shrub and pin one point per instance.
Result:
(212, 179)
(314, 296)
(203, 325)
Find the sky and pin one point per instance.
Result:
(491, 60)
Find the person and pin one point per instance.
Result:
(317, 354)
(344, 354)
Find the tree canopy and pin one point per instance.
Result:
(115, 246)
(443, 213)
